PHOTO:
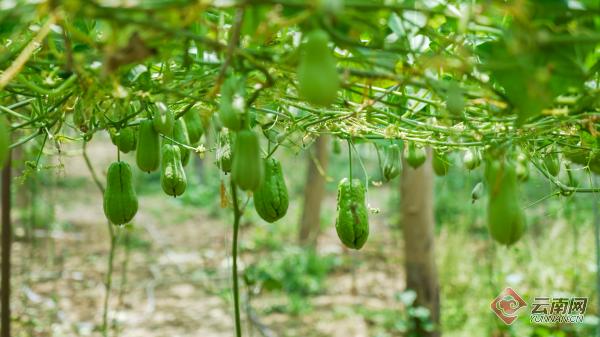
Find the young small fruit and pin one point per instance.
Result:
(172, 178)
(247, 169)
(440, 163)
(477, 192)
(148, 147)
(163, 118)
(471, 159)
(522, 172)
(318, 80)
(224, 153)
(571, 179)
(194, 125)
(271, 198)
(415, 156)
(180, 134)
(552, 163)
(391, 162)
(352, 222)
(522, 166)
(337, 148)
(120, 199)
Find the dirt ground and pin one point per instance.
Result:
(180, 284)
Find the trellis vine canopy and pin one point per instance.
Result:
(508, 83)
(448, 74)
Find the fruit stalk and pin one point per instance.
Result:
(237, 214)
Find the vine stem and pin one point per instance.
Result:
(88, 163)
(113, 242)
(124, 267)
(108, 282)
(350, 161)
(237, 214)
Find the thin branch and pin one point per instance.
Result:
(26, 53)
(88, 163)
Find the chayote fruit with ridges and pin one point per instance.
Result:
(318, 79)
(552, 163)
(471, 159)
(391, 162)
(415, 155)
(506, 219)
(247, 169)
(352, 223)
(180, 135)
(271, 198)
(148, 147)
(120, 199)
(125, 139)
(172, 176)
(163, 118)
(440, 163)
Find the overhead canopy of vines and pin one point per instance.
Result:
(447, 74)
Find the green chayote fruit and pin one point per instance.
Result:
(440, 163)
(337, 148)
(120, 199)
(506, 219)
(318, 80)
(477, 192)
(471, 159)
(391, 162)
(163, 118)
(224, 153)
(147, 155)
(415, 156)
(247, 169)
(552, 163)
(125, 139)
(352, 223)
(271, 198)
(172, 178)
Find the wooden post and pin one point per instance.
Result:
(418, 227)
(596, 243)
(6, 243)
(314, 191)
